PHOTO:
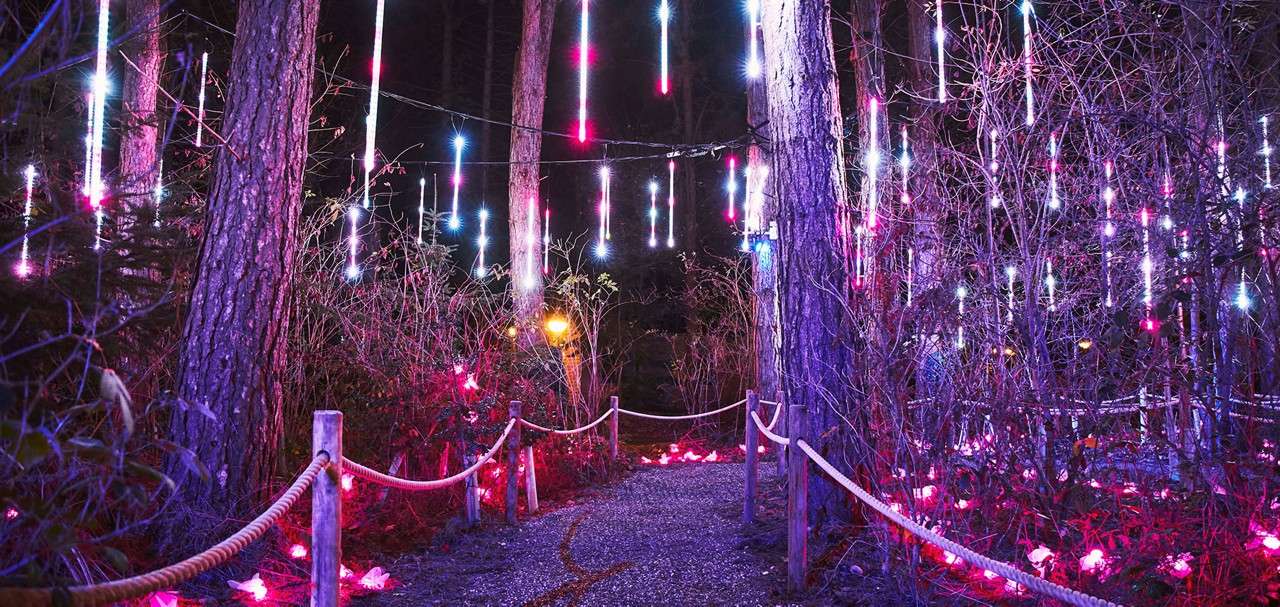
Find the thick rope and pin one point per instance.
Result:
(1039, 585)
(768, 402)
(171, 576)
(781, 440)
(680, 417)
(528, 424)
(777, 414)
(396, 482)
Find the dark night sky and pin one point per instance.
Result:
(624, 104)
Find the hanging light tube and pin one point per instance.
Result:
(671, 204)
(939, 41)
(371, 120)
(1054, 202)
(732, 188)
(653, 214)
(459, 143)
(422, 205)
(873, 163)
(482, 242)
(664, 16)
(204, 71)
(1026, 61)
(546, 240)
(23, 268)
(97, 189)
(602, 249)
(753, 44)
(531, 244)
(584, 41)
(1266, 154)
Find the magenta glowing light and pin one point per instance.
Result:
(664, 16)
(732, 188)
(1265, 152)
(904, 165)
(1051, 284)
(23, 268)
(753, 42)
(1108, 232)
(1026, 61)
(531, 244)
(1054, 202)
(584, 49)
(459, 144)
(422, 205)
(353, 242)
(1166, 190)
(671, 204)
(653, 214)
(204, 75)
(873, 163)
(602, 247)
(939, 42)
(482, 242)
(546, 240)
(1147, 299)
(371, 120)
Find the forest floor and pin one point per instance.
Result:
(661, 536)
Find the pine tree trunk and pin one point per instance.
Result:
(764, 275)
(139, 160)
(813, 276)
(233, 351)
(529, 92)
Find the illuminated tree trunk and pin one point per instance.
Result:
(139, 160)
(529, 92)
(764, 275)
(805, 124)
(233, 351)
(926, 198)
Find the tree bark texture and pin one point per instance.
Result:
(529, 92)
(805, 124)
(139, 141)
(233, 351)
(764, 274)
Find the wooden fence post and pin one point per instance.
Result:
(797, 502)
(326, 509)
(513, 463)
(781, 430)
(613, 429)
(471, 501)
(530, 480)
(751, 438)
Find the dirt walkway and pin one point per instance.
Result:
(666, 536)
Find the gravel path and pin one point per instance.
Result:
(662, 536)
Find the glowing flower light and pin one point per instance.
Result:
(951, 559)
(348, 481)
(11, 513)
(163, 598)
(1177, 566)
(297, 551)
(375, 579)
(1040, 558)
(1093, 562)
(254, 587)
(344, 572)
(713, 457)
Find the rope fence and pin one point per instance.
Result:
(395, 482)
(683, 417)
(168, 577)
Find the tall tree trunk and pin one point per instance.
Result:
(926, 197)
(233, 351)
(805, 124)
(529, 92)
(764, 275)
(139, 160)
